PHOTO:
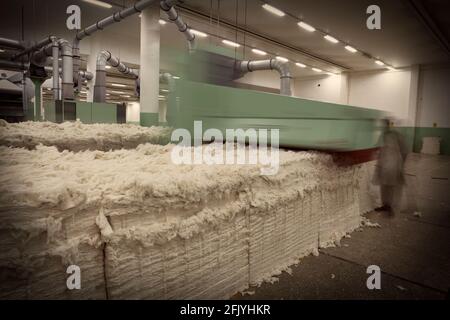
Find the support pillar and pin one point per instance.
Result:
(149, 66)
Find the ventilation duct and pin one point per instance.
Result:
(103, 58)
(168, 7)
(271, 64)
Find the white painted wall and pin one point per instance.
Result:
(387, 90)
(322, 87)
(263, 78)
(434, 97)
(391, 91)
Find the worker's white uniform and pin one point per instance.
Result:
(389, 171)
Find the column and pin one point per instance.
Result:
(149, 66)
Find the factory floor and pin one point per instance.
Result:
(412, 251)
(413, 254)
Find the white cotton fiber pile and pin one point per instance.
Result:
(140, 226)
(76, 136)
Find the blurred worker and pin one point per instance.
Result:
(389, 171)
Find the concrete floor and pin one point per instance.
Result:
(413, 254)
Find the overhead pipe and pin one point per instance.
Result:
(83, 73)
(100, 25)
(105, 57)
(14, 65)
(37, 46)
(13, 44)
(270, 64)
(116, 17)
(168, 7)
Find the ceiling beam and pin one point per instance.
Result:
(425, 18)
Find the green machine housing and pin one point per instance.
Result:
(87, 112)
(302, 123)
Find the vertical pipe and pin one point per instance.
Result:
(67, 70)
(55, 56)
(149, 61)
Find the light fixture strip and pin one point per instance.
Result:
(273, 10)
(99, 3)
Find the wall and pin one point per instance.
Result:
(433, 106)
(322, 87)
(417, 98)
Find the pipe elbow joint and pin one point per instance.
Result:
(281, 67)
(102, 58)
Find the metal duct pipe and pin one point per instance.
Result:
(168, 7)
(35, 47)
(105, 57)
(40, 58)
(271, 64)
(14, 65)
(169, 79)
(55, 55)
(67, 69)
(85, 74)
(10, 43)
(100, 25)
(116, 17)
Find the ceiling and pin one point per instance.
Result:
(412, 31)
(402, 41)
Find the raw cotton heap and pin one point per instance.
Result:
(140, 226)
(76, 136)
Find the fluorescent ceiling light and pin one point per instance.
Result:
(273, 10)
(108, 94)
(306, 26)
(99, 3)
(380, 63)
(164, 90)
(260, 52)
(118, 92)
(107, 67)
(118, 85)
(301, 65)
(231, 43)
(199, 33)
(126, 96)
(1, 50)
(282, 59)
(330, 73)
(176, 77)
(331, 39)
(351, 49)
(317, 69)
(162, 22)
(391, 68)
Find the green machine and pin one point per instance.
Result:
(302, 123)
(87, 112)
